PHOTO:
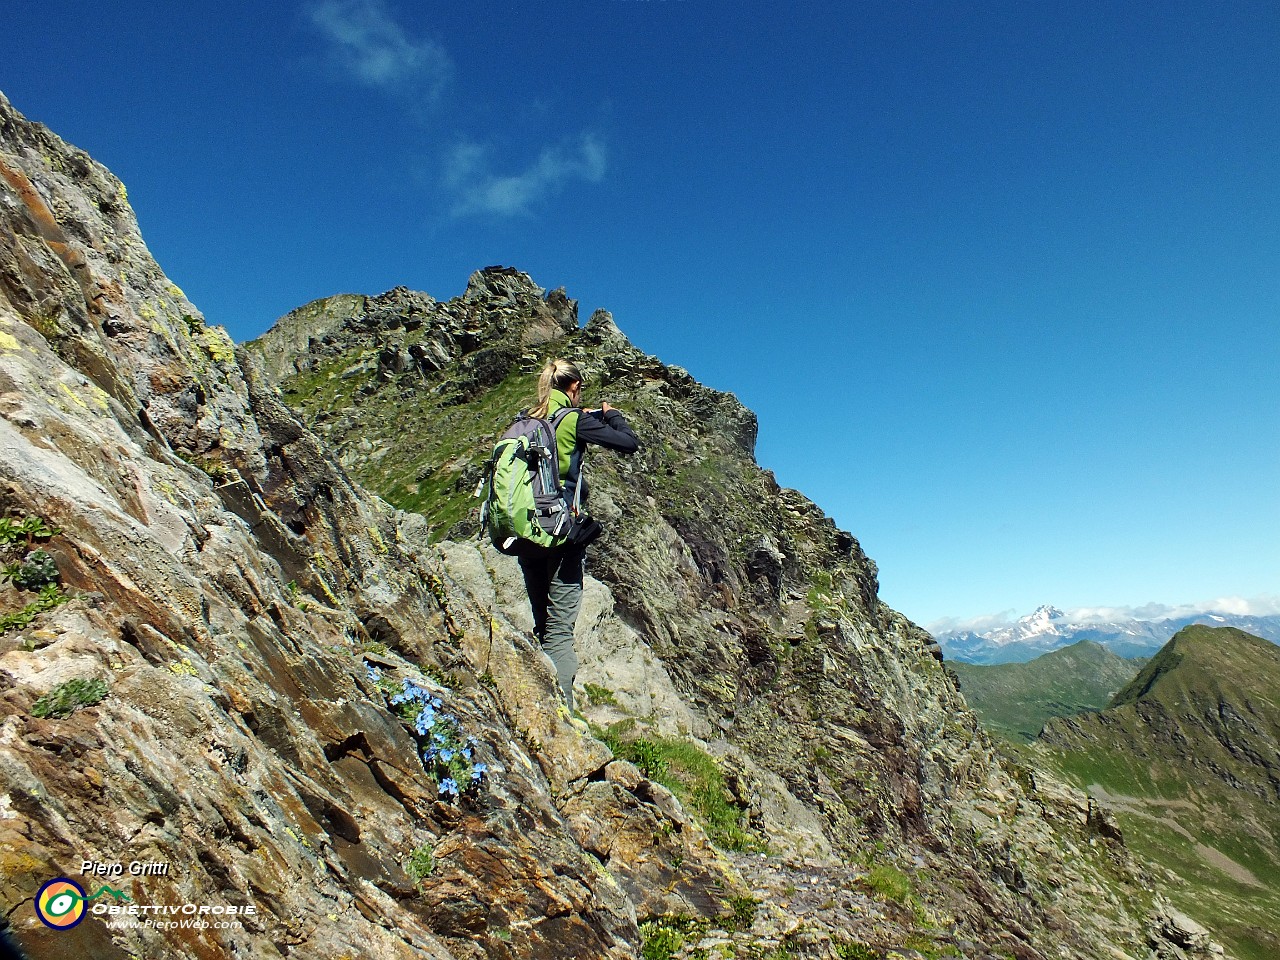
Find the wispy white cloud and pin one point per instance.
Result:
(470, 177)
(369, 44)
(372, 47)
(980, 624)
(1261, 606)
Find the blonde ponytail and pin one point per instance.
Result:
(556, 375)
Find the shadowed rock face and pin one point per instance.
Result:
(233, 581)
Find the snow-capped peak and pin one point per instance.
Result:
(1042, 615)
(1049, 628)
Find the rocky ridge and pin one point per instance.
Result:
(245, 608)
(758, 621)
(1187, 756)
(231, 587)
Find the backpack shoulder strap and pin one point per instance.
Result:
(559, 416)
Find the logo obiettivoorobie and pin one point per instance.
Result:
(60, 903)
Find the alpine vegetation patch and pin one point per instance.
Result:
(49, 597)
(36, 570)
(28, 569)
(420, 864)
(25, 531)
(67, 698)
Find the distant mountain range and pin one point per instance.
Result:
(1049, 628)
(1181, 751)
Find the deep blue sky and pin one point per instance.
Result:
(1001, 279)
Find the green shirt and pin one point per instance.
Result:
(566, 430)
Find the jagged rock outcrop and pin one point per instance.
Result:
(1175, 936)
(245, 607)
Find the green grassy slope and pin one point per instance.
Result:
(1188, 755)
(1015, 700)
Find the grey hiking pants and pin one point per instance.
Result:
(554, 582)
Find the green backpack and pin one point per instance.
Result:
(524, 507)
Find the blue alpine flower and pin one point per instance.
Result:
(424, 723)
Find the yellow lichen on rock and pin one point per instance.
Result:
(100, 398)
(166, 490)
(72, 395)
(219, 345)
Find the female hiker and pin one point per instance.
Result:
(554, 577)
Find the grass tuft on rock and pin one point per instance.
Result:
(693, 775)
(67, 698)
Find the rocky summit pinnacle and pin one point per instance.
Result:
(1043, 614)
(247, 635)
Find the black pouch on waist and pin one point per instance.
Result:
(584, 530)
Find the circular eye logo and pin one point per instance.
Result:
(60, 903)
